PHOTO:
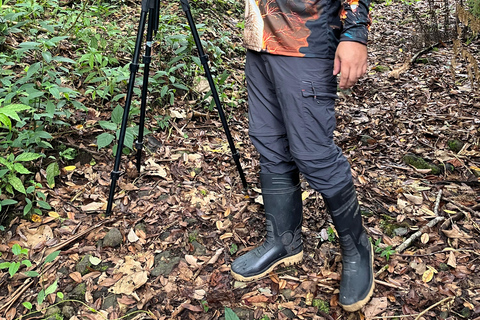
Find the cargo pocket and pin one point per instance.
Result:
(319, 112)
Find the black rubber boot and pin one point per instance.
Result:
(282, 199)
(357, 284)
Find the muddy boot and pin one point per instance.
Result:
(357, 284)
(282, 198)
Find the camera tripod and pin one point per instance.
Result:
(151, 8)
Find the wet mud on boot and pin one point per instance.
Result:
(357, 283)
(282, 199)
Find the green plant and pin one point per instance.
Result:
(230, 314)
(11, 168)
(322, 305)
(233, 248)
(163, 121)
(19, 253)
(204, 304)
(106, 138)
(474, 6)
(68, 154)
(193, 236)
(384, 251)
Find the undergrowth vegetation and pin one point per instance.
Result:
(62, 61)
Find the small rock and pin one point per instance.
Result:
(52, 311)
(141, 226)
(366, 140)
(244, 314)
(455, 145)
(109, 301)
(164, 264)
(164, 235)
(199, 249)
(287, 293)
(401, 231)
(78, 293)
(191, 222)
(100, 293)
(288, 313)
(113, 238)
(83, 265)
(68, 312)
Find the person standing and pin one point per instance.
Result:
(295, 50)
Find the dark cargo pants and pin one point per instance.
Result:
(292, 118)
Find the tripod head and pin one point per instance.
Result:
(153, 8)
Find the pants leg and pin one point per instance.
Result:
(292, 118)
(266, 126)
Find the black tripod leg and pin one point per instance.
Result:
(204, 61)
(152, 16)
(133, 70)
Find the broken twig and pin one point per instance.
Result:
(433, 306)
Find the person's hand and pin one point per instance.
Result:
(350, 62)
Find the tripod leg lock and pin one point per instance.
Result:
(133, 67)
(204, 59)
(115, 175)
(138, 145)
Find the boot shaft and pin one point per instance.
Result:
(282, 199)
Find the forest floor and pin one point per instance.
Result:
(177, 226)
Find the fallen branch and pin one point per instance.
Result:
(462, 207)
(437, 202)
(433, 306)
(391, 285)
(419, 233)
(396, 73)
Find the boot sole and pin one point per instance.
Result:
(359, 305)
(288, 261)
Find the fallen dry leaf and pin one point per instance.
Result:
(128, 284)
(375, 307)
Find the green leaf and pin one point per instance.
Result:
(108, 125)
(117, 114)
(27, 208)
(33, 69)
(4, 265)
(3, 171)
(44, 205)
(180, 86)
(47, 56)
(164, 91)
(51, 288)
(27, 305)
(16, 249)
(16, 183)
(63, 59)
(13, 268)
(230, 314)
(55, 93)
(20, 168)
(28, 263)
(12, 109)
(41, 297)
(60, 295)
(52, 171)
(51, 256)
(104, 139)
(32, 274)
(6, 121)
(27, 156)
(8, 202)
